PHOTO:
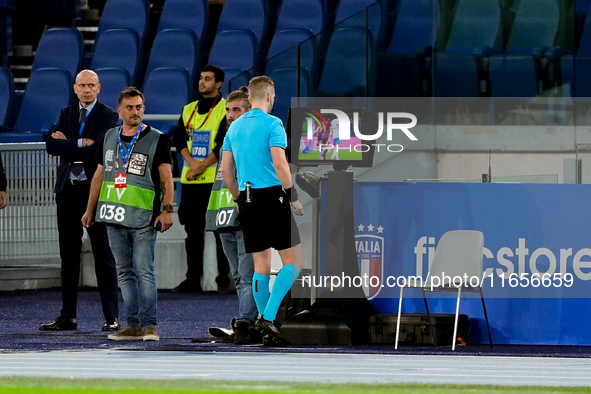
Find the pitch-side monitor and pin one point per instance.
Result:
(330, 137)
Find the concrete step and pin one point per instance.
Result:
(30, 277)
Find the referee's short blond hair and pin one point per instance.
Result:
(258, 87)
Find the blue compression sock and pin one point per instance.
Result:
(260, 290)
(285, 278)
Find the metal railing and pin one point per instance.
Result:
(28, 226)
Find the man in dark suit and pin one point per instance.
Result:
(75, 138)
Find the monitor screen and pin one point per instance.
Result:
(319, 137)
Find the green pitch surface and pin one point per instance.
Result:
(111, 386)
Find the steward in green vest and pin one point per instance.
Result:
(132, 191)
(132, 205)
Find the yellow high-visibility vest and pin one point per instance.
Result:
(211, 126)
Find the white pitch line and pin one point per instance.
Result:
(312, 367)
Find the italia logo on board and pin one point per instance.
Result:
(369, 243)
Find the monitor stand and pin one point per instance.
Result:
(337, 317)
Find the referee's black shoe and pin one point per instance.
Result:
(271, 334)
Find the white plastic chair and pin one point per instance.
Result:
(458, 254)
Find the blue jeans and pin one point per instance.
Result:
(134, 253)
(242, 269)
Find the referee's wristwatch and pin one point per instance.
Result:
(168, 208)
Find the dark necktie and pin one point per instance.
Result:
(82, 115)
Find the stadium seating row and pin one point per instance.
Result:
(173, 61)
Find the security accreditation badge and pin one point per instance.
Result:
(120, 180)
(121, 176)
(200, 143)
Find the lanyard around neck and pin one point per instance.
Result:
(217, 99)
(125, 154)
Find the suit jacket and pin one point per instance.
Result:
(100, 119)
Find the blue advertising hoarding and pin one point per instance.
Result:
(537, 256)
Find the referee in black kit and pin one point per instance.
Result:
(255, 144)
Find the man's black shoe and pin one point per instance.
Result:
(309, 182)
(271, 334)
(255, 336)
(241, 333)
(111, 324)
(187, 286)
(61, 324)
(228, 339)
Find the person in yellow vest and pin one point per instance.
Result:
(198, 138)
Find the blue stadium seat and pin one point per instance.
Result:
(301, 14)
(47, 92)
(233, 48)
(581, 14)
(403, 69)
(348, 8)
(513, 76)
(535, 31)
(244, 15)
(125, 14)
(286, 87)
(235, 78)
(476, 28)
(113, 80)
(584, 48)
(360, 13)
(575, 71)
(415, 31)
(167, 90)
(6, 95)
(60, 48)
(576, 75)
(283, 51)
(456, 75)
(475, 34)
(117, 48)
(348, 67)
(234, 52)
(187, 14)
(175, 48)
(535, 27)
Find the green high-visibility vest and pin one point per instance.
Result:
(221, 210)
(130, 206)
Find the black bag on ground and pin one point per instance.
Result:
(414, 328)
